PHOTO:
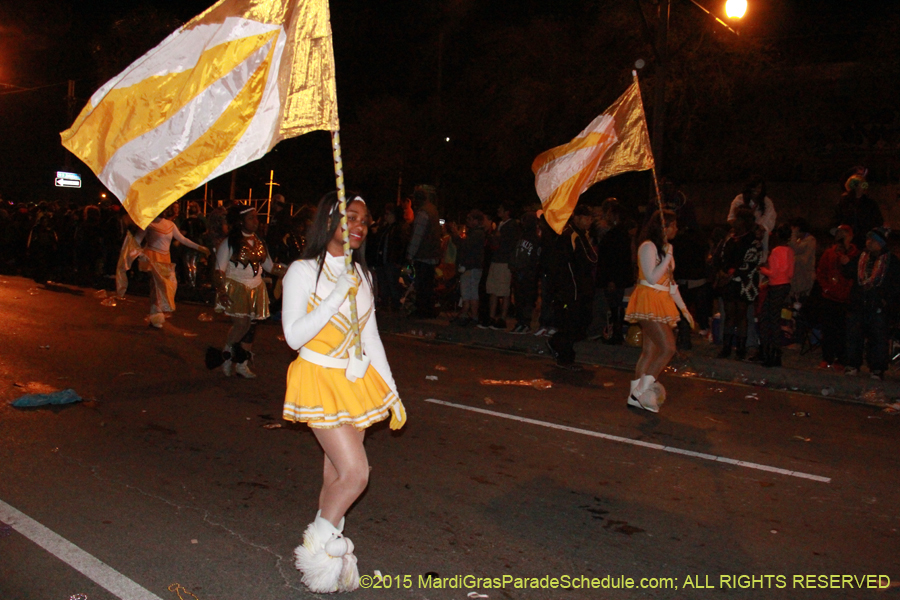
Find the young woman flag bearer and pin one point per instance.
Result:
(337, 395)
(655, 304)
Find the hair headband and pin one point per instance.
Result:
(334, 206)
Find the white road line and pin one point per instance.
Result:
(650, 445)
(93, 568)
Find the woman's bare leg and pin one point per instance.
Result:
(346, 472)
(663, 340)
(239, 328)
(649, 352)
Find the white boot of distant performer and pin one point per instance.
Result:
(323, 560)
(634, 393)
(648, 395)
(660, 392)
(243, 369)
(227, 366)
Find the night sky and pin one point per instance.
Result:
(384, 50)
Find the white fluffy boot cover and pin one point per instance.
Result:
(321, 570)
(648, 397)
(634, 393)
(660, 392)
(349, 579)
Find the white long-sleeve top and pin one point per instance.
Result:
(159, 235)
(654, 268)
(765, 215)
(301, 326)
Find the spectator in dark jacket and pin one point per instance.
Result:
(388, 249)
(470, 261)
(547, 324)
(572, 277)
(424, 249)
(738, 261)
(615, 270)
(835, 288)
(873, 297)
(857, 210)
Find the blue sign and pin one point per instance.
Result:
(68, 180)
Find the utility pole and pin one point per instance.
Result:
(659, 92)
(271, 185)
(70, 109)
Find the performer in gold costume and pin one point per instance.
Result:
(240, 291)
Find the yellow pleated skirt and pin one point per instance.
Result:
(324, 398)
(650, 304)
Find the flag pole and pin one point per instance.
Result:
(653, 169)
(345, 233)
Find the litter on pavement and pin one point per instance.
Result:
(178, 589)
(64, 397)
(538, 384)
(431, 377)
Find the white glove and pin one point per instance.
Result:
(670, 257)
(342, 287)
(398, 415)
(679, 302)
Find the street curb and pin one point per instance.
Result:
(693, 363)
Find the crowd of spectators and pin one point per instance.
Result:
(750, 282)
(754, 282)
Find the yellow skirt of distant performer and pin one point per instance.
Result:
(323, 397)
(650, 304)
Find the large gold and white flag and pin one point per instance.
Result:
(615, 142)
(216, 94)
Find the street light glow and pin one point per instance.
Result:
(735, 9)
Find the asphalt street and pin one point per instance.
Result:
(171, 474)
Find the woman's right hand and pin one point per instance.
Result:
(345, 284)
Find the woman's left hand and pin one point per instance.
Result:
(398, 415)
